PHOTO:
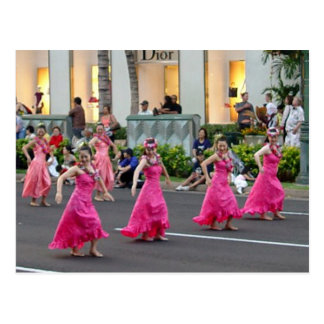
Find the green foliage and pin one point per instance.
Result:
(174, 159)
(21, 162)
(246, 154)
(254, 131)
(121, 133)
(288, 168)
(215, 129)
(289, 165)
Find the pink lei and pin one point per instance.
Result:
(275, 149)
(104, 138)
(43, 144)
(227, 160)
(94, 174)
(152, 162)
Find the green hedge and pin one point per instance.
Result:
(289, 164)
(214, 129)
(174, 159)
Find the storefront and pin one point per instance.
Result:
(207, 83)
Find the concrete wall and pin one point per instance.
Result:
(121, 96)
(192, 83)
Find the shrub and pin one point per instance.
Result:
(174, 159)
(214, 129)
(289, 164)
(288, 167)
(254, 131)
(21, 161)
(121, 133)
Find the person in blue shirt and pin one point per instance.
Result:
(197, 176)
(126, 168)
(201, 143)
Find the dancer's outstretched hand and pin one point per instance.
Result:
(58, 198)
(208, 182)
(169, 183)
(261, 170)
(133, 191)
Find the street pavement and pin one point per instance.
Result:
(258, 246)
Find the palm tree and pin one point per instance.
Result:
(133, 81)
(103, 79)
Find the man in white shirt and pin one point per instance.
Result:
(295, 118)
(145, 110)
(271, 111)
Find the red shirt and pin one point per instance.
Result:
(56, 140)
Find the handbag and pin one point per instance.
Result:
(117, 126)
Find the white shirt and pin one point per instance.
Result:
(147, 112)
(271, 108)
(295, 116)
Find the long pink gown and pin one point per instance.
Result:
(38, 181)
(219, 202)
(267, 193)
(103, 164)
(150, 213)
(80, 221)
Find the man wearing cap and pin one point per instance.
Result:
(126, 169)
(145, 110)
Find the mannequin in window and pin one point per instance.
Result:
(39, 103)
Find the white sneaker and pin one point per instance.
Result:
(179, 188)
(186, 188)
(239, 190)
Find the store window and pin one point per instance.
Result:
(158, 75)
(32, 81)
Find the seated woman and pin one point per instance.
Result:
(126, 168)
(201, 143)
(68, 162)
(197, 177)
(56, 137)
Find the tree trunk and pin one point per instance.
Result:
(133, 81)
(103, 79)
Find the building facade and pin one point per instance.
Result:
(201, 79)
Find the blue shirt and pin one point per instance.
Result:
(197, 168)
(133, 162)
(202, 146)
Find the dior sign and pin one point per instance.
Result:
(157, 56)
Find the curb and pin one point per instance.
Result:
(289, 193)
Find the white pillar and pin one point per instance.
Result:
(60, 82)
(192, 83)
(121, 95)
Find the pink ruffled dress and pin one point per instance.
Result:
(219, 202)
(80, 221)
(150, 213)
(267, 193)
(103, 164)
(38, 181)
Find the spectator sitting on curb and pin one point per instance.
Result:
(126, 168)
(197, 177)
(240, 181)
(87, 137)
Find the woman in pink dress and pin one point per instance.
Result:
(80, 222)
(267, 193)
(102, 162)
(37, 181)
(150, 214)
(219, 204)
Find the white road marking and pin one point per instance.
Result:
(233, 239)
(34, 270)
(294, 213)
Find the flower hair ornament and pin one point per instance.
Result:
(272, 131)
(150, 143)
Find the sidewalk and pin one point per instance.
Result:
(289, 193)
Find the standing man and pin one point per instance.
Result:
(145, 110)
(295, 118)
(242, 109)
(78, 118)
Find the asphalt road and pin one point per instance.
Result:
(258, 246)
